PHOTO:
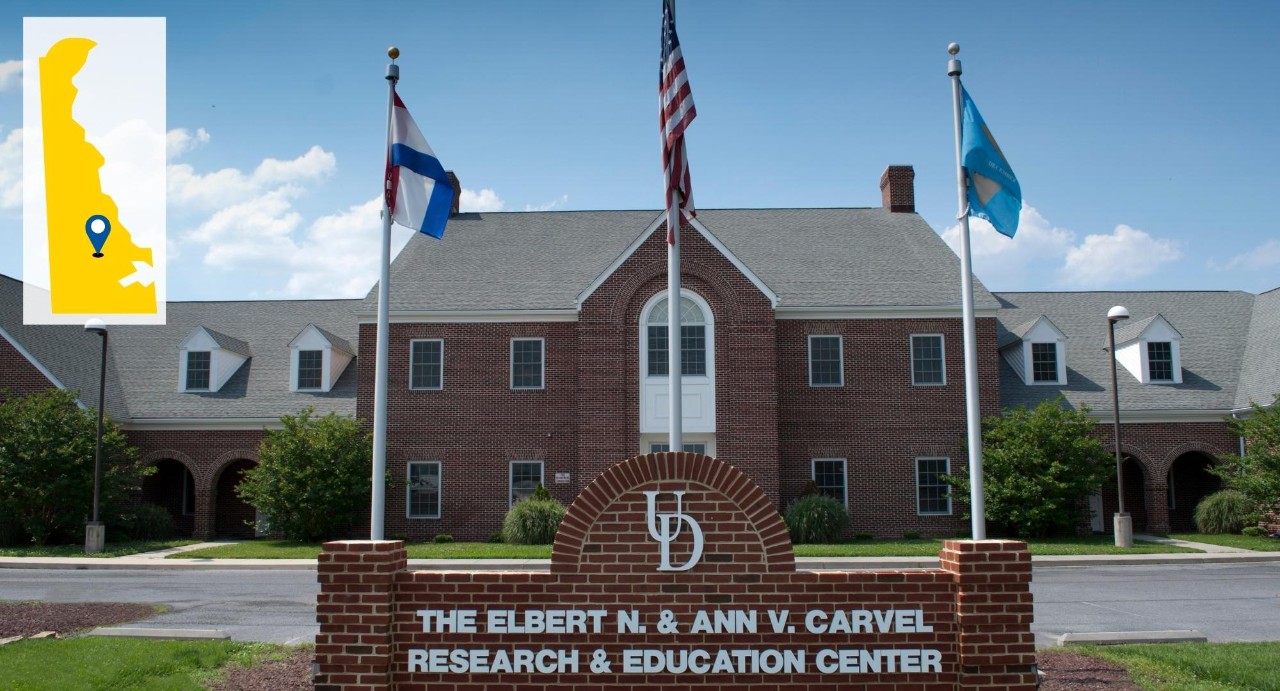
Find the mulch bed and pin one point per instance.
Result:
(30, 618)
(290, 674)
(1070, 671)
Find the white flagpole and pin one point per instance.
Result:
(675, 410)
(379, 502)
(973, 412)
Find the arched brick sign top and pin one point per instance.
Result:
(607, 527)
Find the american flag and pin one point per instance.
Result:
(675, 102)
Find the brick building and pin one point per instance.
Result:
(527, 348)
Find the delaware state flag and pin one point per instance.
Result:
(419, 193)
(994, 192)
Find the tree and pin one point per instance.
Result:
(1039, 466)
(312, 477)
(1256, 475)
(46, 466)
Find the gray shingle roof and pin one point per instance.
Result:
(808, 257)
(338, 342)
(1214, 327)
(230, 343)
(1260, 371)
(143, 360)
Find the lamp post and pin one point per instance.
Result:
(1123, 522)
(95, 533)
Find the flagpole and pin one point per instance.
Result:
(973, 412)
(379, 501)
(674, 372)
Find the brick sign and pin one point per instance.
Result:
(674, 570)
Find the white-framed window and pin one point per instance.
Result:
(928, 366)
(829, 475)
(422, 499)
(689, 446)
(310, 369)
(933, 494)
(826, 360)
(426, 364)
(1044, 363)
(525, 478)
(199, 363)
(693, 339)
(527, 363)
(1160, 360)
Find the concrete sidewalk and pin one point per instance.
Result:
(1210, 554)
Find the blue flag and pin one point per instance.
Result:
(994, 193)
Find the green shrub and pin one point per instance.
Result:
(496, 538)
(143, 522)
(442, 539)
(862, 536)
(816, 519)
(1226, 512)
(1254, 531)
(910, 535)
(533, 521)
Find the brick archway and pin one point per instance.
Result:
(175, 485)
(231, 514)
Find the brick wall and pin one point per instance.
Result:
(976, 609)
(878, 421)
(18, 376)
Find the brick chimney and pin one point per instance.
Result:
(457, 192)
(897, 189)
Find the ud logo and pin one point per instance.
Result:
(665, 528)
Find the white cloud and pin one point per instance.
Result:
(338, 256)
(479, 202)
(10, 74)
(11, 170)
(180, 141)
(553, 204)
(1042, 256)
(1262, 257)
(228, 186)
(256, 233)
(1123, 256)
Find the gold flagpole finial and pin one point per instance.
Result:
(393, 52)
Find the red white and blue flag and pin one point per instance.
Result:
(676, 112)
(419, 193)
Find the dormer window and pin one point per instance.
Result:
(317, 358)
(1150, 349)
(207, 359)
(310, 369)
(1160, 360)
(198, 364)
(1044, 363)
(1037, 352)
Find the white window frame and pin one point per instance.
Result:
(408, 490)
(844, 472)
(426, 340)
(915, 472)
(942, 346)
(653, 446)
(840, 353)
(186, 371)
(1146, 359)
(511, 364)
(297, 369)
(511, 477)
(1058, 365)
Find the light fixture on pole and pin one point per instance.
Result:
(95, 533)
(1123, 523)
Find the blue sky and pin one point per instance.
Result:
(1144, 134)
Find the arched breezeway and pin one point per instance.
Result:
(1189, 481)
(233, 517)
(173, 487)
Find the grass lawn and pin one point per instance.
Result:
(123, 663)
(283, 549)
(113, 549)
(1257, 544)
(1198, 666)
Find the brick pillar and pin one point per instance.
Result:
(353, 648)
(203, 529)
(1158, 506)
(993, 613)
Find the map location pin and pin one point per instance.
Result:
(97, 228)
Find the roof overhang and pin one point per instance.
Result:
(1158, 415)
(881, 312)
(471, 316)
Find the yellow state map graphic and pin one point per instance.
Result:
(80, 282)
